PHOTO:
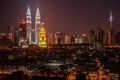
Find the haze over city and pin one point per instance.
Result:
(68, 16)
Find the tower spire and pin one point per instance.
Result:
(28, 17)
(37, 18)
(37, 25)
(111, 19)
(28, 24)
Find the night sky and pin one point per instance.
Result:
(68, 16)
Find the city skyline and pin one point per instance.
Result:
(58, 15)
(59, 40)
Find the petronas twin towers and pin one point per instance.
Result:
(29, 24)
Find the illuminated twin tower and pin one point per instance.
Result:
(38, 31)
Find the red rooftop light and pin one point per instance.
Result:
(22, 22)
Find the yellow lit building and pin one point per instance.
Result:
(42, 38)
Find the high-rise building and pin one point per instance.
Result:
(111, 37)
(22, 33)
(16, 37)
(37, 25)
(93, 38)
(111, 20)
(29, 25)
(4, 41)
(42, 38)
(85, 38)
(10, 33)
(111, 32)
(33, 31)
(67, 39)
(59, 38)
(80, 40)
(76, 39)
(100, 35)
(72, 39)
(117, 38)
(2, 35)
(105, 39)
(50, 38)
